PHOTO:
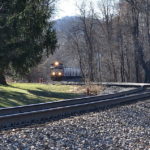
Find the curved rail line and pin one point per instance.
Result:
(36, 113)
(120, 84)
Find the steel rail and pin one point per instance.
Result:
(26, 118)
(120, 84)
(9, 121)
(41, 106)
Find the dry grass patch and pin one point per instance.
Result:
(87, 89)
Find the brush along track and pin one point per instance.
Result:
(36, 113)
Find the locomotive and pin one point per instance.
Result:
(58, 72)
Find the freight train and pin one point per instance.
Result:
(58, 72)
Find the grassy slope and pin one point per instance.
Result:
(24, 93)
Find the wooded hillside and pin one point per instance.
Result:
(111, 43)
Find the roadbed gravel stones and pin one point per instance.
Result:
(119, 128)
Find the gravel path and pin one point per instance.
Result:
(119, 128)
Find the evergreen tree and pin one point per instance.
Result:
(26, 32)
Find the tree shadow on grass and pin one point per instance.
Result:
(47, 94)
(14, 98)
(10, 99)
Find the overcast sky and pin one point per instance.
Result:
(69, 7)
(66, 8)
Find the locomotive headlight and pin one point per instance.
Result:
(59, 73)
(56, 63)
(53, 73)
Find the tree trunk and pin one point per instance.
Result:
(2, 79)
(147, 72)
(138, 48)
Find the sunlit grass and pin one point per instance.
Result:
(17, 94)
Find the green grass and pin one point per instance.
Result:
(18, 94)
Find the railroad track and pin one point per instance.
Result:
(120, 84)
(36, 113)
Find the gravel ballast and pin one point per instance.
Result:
(119, 128)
